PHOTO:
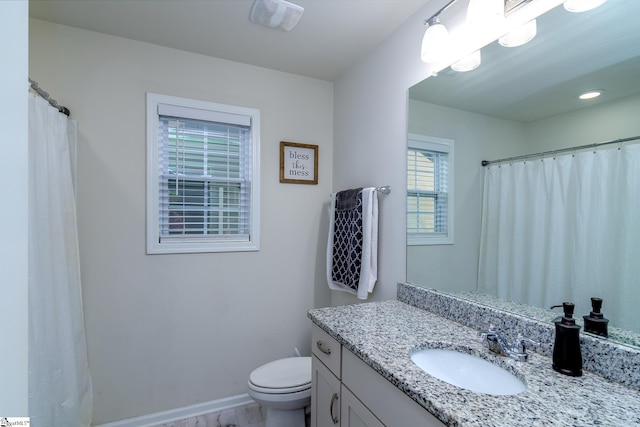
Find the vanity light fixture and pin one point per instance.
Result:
(468, 63)
(436, 42)
(590, 94)
(582, 5)
(520, 35)
(278, 14)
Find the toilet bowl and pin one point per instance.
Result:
(284, 388)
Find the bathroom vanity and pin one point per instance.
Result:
(344, 388)
(363, 376)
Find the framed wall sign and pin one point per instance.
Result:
(298, 163)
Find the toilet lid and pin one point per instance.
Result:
(292, 372)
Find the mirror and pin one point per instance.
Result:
(526, 88)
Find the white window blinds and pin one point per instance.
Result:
(429, 211)
(204, 180)
(205, 184)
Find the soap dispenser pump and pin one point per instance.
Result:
(595, 322)
(567, 358)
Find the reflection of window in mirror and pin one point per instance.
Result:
(429, 190)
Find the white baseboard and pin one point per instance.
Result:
(177, 414)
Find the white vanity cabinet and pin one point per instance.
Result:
(348, 393)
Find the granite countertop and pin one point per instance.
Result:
(383, 334)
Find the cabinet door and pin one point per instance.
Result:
(325, 396)
(354, 413)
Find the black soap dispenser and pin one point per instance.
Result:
(595, 322)
(567, 358)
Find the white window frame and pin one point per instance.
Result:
(443, 145)
(191, 244)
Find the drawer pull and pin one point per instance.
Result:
(322, 347)
(334, 399)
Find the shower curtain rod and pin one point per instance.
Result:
(34, 85)
(560, 150)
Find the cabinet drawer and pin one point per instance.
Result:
(326, 349)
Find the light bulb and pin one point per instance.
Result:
(520, 35)
(468, 63)
(483, 14)
(582, 5)
(435, 43)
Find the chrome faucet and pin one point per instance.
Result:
(497, 344)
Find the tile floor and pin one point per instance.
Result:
(252, 415)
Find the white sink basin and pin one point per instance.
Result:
(468, 372)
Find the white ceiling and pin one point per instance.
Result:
(331, 36)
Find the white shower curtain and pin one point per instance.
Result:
(60, 391)
(565, 229)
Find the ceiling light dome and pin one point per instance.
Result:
(278, 14)
(436, 42)
(520, 35)
(582, 5)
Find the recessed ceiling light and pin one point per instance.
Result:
(590, 94)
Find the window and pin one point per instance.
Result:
(429, 190)
(202, 176)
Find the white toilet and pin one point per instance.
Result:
(284, 388)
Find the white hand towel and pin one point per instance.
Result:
(369, 270)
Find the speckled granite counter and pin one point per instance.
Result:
(604, 357)
(383, 334)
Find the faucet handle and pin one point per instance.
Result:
(491, 329)
(522, 341)
(485, 333)
(519, 351)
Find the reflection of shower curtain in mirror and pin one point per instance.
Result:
(565, 229)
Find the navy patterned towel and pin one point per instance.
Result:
(353, 241)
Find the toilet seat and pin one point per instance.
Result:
(289, 375)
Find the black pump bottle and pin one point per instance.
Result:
(567, 358)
